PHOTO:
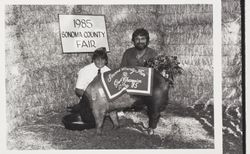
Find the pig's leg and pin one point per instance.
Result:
(154, 115)
(157, 104)
(114, 117)
(99, 118)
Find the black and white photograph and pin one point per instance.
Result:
(158, 76)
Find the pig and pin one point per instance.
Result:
(97, 103)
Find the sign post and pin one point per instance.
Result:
(82, 33)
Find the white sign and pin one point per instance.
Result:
(82, 33)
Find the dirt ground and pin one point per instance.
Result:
(173, 132)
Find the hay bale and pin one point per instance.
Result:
(12, 51)
(230, 50)
(184, 8)
(186, 19)
(231, 32)
(188, 38)
(229, 62)
(132, 22)
(229, 6)
(196, 60)
(194, 28)
(232, 68)
(189, 85)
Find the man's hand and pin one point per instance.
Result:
(79, 92)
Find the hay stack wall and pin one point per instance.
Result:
(231, 52)
(40, 78)
(186, 32)
(232, 77)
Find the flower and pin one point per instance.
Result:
(168, 66)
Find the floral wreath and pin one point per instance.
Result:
(168, 66)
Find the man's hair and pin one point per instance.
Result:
(140, 32)
(100, 53)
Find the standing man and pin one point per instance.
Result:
(137, 55)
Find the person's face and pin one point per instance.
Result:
(140, 42)
(99, 62)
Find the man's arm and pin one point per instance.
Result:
(79, 92)
(80, 82)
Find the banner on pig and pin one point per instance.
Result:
(133, 80)
(82, 33)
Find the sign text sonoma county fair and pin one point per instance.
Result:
(83, 33)
(84, 43)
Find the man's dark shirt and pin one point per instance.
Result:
(130, 59)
